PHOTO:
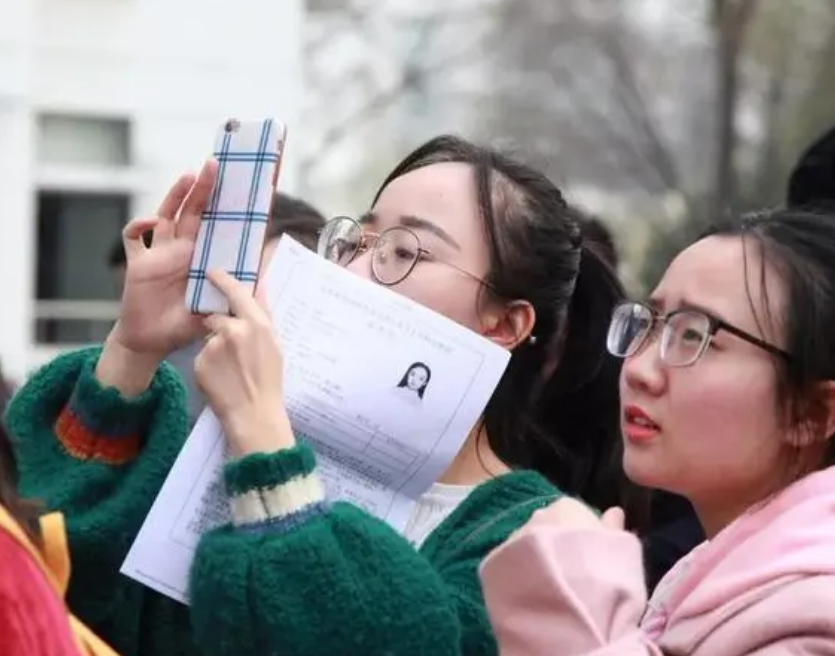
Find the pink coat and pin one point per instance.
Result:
(764, 586)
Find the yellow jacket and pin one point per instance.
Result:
(53, 559)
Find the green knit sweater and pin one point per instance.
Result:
(293, 574)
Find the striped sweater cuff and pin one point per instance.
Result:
(98, 423)
(274, 490)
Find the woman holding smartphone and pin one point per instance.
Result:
(463, 230)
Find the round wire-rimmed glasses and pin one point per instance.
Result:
(394, 252)
(685, 335)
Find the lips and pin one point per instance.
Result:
(638, 426)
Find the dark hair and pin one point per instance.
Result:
(405, 380)
(798, 246)
(812, 182)
(556, 409)
(288, 214)
(295, 217)
(26, 513)
(598, 237)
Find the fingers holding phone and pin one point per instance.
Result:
(215, 220)
(241, 371)
(231, 232)
(152, 320)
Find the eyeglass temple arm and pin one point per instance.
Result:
(751, 339)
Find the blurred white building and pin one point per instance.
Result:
(102, 104)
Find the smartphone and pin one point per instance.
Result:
(233, 226)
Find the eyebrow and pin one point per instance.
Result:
(684, 304)
(688, 305)
(416, 223)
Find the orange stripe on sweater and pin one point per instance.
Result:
(82, 443)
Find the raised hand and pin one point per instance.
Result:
(241, 372)
(153, 319)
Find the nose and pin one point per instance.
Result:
(645, 371)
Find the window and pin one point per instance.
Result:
(81, 141)
(77, 291)
(84, 198)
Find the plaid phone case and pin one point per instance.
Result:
(232, 228)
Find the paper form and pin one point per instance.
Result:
(385, 390)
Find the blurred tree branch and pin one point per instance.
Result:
(596, 110)
(408, 72)
(730, 19)
(633, 101)
(701, 112)
(380, 100)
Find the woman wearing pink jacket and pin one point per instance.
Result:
(728, 399)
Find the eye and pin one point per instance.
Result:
(400, 245)
(692, 335)
(404, 253)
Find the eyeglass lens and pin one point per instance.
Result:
(394, 251)
(683, 339)
(339, 241)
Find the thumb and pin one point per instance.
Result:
(614, 519)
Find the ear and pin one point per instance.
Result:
(828, 394)
(510, 325)
(822, 416)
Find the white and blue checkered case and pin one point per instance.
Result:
(232, 228)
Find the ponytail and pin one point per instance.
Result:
(580, 402)
(571, 430)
